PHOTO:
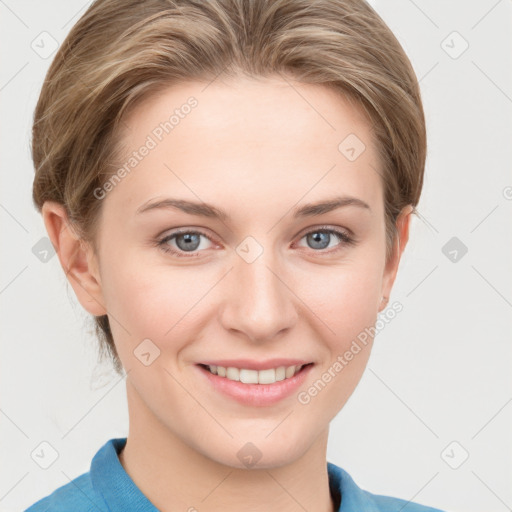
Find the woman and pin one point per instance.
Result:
(229, 186)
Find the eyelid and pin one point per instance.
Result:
(326, 227)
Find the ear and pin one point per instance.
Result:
(76, 257)
(402, 223)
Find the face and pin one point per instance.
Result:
(264, 279)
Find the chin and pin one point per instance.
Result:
(258, 453)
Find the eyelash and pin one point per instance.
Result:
(344, 237)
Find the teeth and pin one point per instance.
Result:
(266, 376)
(254, 376)
(289, 372)
(249, 376)
(280, 373)
(232, 373)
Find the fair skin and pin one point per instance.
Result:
(257, 150)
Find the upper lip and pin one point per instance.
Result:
(250, 364)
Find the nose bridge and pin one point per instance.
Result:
(260, 304)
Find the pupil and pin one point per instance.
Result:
(189, 241)
(316, 239)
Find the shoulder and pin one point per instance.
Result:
(77, 495)
(353, 498)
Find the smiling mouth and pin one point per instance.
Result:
(246, 376)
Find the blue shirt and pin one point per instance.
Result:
(108, 488)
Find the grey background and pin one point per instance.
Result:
(437, 387)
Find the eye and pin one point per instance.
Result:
(185, 242)
(321, 238)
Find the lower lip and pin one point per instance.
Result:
(258, 395)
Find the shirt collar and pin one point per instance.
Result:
(111, 481)
(353, 498)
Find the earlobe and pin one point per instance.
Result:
(76, 258)
(402, 224)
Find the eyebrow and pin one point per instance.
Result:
(208, 210)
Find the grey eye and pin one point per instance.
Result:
(188, 241)
(319, 239)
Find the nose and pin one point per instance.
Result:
(258, 301)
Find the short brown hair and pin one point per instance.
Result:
(118, 53)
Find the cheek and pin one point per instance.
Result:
(155, 302)
(344, 303)
(344, 297)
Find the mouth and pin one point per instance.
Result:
(252, 387)
(251, 376)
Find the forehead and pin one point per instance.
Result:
(253, 136)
